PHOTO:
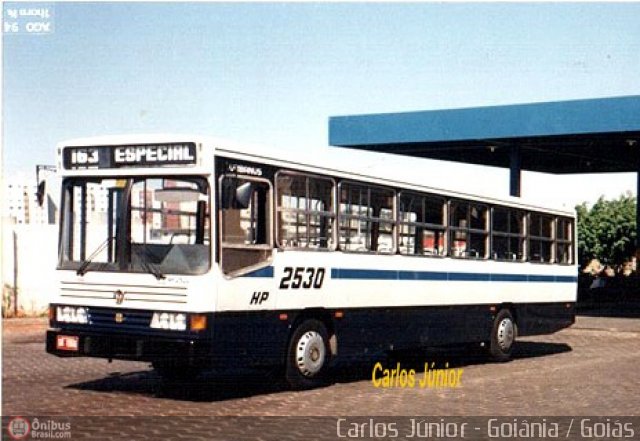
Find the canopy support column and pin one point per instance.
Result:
(515, 170)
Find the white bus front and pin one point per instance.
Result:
(135, 253)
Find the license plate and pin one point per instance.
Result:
(67, 343)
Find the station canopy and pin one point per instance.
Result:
(580, 136)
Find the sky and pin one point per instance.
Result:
(273, 74)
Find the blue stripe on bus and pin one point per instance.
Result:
(510, 277)
(262, 272)
(566, 279)
(422, 275)
(371, 274)
(368, 274)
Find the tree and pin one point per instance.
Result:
(607, 231)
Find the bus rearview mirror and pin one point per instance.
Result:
(243, 195)
(40, 193)
(234, 195)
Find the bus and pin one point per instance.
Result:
(194, 253)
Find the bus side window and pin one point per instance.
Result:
(246, 224)
(469, 230)
(541, 238)
(421, 224)
(305, 211)
(564, 239)
(366, 218)
(508, 234)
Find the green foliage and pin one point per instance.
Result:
(607, 231)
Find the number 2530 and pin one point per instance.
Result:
(300, 277)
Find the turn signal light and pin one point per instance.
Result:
(198, 322)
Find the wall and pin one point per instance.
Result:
(37, 258)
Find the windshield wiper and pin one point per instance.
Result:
(146, 265)
(82, 269)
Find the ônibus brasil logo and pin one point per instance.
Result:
(18, 428)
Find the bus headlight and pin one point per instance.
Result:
(72, 314)
(176, 321)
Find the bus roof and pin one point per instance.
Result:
(385, 169)
(374, 167)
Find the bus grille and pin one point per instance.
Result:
(132, 295)
(131, 320)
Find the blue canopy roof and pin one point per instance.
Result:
(580, 136)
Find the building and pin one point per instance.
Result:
(20, 204)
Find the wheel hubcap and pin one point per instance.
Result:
(310, 353)
(505, 334)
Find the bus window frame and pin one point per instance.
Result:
(331, 214)
(268, 246)
(551, 240)
(570, 241)
(444, 227)
(509, 235)
(468, 230)
(393, 221)
(122, 259)
(66, 237)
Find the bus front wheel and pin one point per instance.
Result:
(503, 336)
(308, 355)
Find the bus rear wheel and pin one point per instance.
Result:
(308, 355)
(503, 336)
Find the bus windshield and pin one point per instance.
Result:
(154, 225)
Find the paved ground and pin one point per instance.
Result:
(590, 369)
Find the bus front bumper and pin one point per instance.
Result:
(67, 343)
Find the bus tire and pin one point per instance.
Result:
(308, 355)
(503, 336)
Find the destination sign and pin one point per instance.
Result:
(140, 155)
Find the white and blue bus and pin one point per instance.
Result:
(191, 253)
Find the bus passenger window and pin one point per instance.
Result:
(366, 219)
(421, 225)
(469, 230)
(507, 234)
(246, 224)
(541, 238)
(305, 211)
(564, 239)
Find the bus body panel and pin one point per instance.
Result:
(362, 281)
(182, 293)
(370, 302)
